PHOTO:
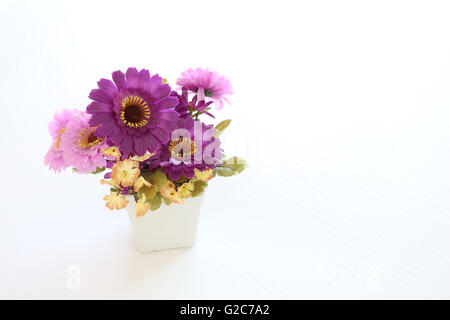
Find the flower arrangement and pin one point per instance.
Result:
(148, 136)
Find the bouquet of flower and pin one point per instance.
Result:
(148, 136)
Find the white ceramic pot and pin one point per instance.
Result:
(169, 227)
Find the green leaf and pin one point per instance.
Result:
(155, 203)
(238, 164)
(150, 193)
(224, 172)
(199, 188)
(167, 202)
(220, 128)
(156, 178)
(98, 170)
(231, 166)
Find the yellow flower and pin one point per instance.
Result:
(140, 182)
(168, 191)
(186, 189)
(146, 156)
(115, 201)
(205, 175)
(142, 207)
(112, 183)
(125, 172)
(112, 151)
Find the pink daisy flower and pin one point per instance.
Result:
(81, 147)
(54, 157)
(207, 84)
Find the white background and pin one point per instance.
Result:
(341, 109)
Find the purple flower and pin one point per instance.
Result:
(154, 162)
(182, 155)
(201, 106)
(206, 83)
(81, 147)
(54, 157)
(181, 107)
(187, 108)
(135, 112)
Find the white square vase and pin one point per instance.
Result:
(169, 227)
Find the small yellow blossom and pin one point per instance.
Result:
(112, 151)
(112, 183)
(140, 182)
(205, 175)
(168, 191)
(142, 206)
(125, 172)
(146, 156)
(186, 189)
(115, 201)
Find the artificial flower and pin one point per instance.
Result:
(181, 107)
(200, 107)
(169, 192)
(81, 147)
(135, 112)
(204, 175)
(154, 161)
(183, 155)
(112, 152)
(111, 182)
(130, 127)
(125, 172)
(206, 83)
(59, 121)
(115, 201)
(186, 107)
(142, 206)
(186, 189)
(54, 157)
(140, 182)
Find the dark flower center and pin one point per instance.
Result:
(133, 114)
(184, 144)
(135, 111)
(92, 139)
(87, 138)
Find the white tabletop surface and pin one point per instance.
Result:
(341, 109)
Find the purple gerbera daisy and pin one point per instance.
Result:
(195, 151)
(135, 112)
(54, 157)
(206, 83)
(81, 147)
